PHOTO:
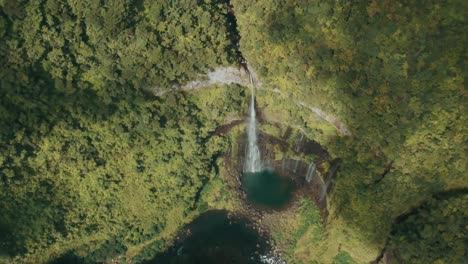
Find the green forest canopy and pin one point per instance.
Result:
(394, 72)
(90, 160)
(88, 156)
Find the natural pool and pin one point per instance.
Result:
(214, 237)
(267, 189)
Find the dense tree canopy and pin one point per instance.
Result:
(93, 164)
(394, 72)
(434, 233)
(87, 155)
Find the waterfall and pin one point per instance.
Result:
(252, 159)
(298, 145)
(296, 149)
(295, 166)
(310, 172)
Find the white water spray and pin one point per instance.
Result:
(252, 159)
(310, 172)
(298, 145)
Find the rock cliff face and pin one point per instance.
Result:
(289, 154)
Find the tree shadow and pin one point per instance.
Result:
(68, 258)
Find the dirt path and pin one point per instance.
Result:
(330, 119)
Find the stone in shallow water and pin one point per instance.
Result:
(267, 189)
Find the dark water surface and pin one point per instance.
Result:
(213, 237)
(267, 189)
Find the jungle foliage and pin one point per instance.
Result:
(394, 72)
(93, 165)
(434, 233)
(90, 162)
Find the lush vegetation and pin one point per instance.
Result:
(94, 166)
(394, 73)
(307, 228)
(90, 161)
(434, 233)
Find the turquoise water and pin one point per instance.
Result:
(267, 189)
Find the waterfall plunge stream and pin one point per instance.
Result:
(310, 172)
(263, 187)
(252, 159)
